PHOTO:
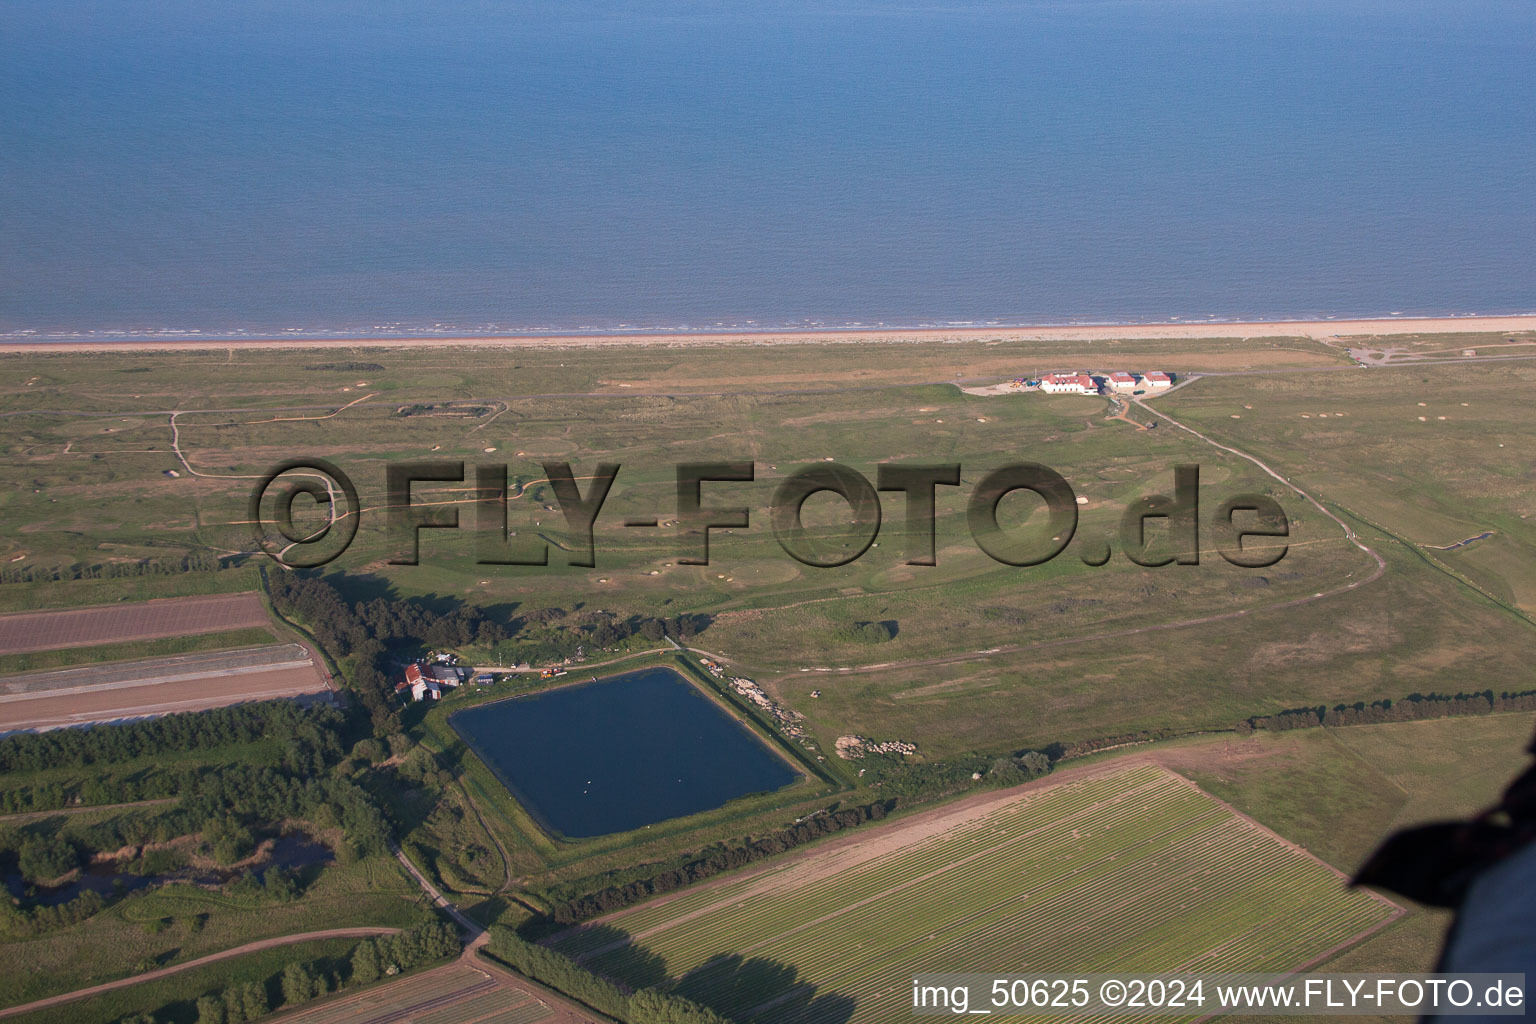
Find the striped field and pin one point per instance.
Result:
(1130, 868)
(458, 993)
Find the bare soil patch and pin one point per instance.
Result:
(144, 620)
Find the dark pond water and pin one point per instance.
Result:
(294, 850)
(620, 753)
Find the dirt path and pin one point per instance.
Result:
(506, 858)
(228, 954)
(472, 931)
(1349, 533)
(33, 815)
(330, 485)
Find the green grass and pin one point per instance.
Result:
(1340, 792)
(535, 852)
(85, 483)
(1126, 869)
(1458, 472)
(27, 597)
(67, 657)
(775, 617)
(373, 892)
(177, 995)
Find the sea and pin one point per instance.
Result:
(340, 168)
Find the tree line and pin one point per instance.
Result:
(342, 626)
(1414, 707)
(373, 634)
(315, 728)
(560, 972)
(225, 803)
(304, 980)
(644, 881)
(168, 565)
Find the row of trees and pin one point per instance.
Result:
(108, 788)
(216, 801)
(170, 565)
(303, 981)
(365, 630)
(235, 1005)
(391, 954)
(310, 730)
(1412, 708)
(17, 921)
(343, 626)
(560, 972)
(649, 880)
(1082, 748)
(917, 781)
(552, 633)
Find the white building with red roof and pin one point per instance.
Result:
(1121, 380)
(1068, 384)
(1156, 380)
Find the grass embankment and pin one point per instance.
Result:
(68, 657)
(31, 597)
(536, 852)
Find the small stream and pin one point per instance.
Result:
(1467, 542)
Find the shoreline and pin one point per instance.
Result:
(1315, 329)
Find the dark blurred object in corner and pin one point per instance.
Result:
(1434, 864)
(1486, 868)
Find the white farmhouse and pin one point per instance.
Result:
(1068, 384)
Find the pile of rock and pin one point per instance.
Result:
(851, 747)
(788, 720)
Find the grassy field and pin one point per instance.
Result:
(1338, 792)
(1129, 868)
(68, 657)
(29, 597)
(114, 943)
(980, 656)
(1433, 454)
(649, 409)
(179, 992)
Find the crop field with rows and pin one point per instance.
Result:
(1131, 869)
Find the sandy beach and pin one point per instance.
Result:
(1317, 329)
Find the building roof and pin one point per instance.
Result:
(1082, 380)
(413, 673)
(1121, 377)
(1156, 375)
